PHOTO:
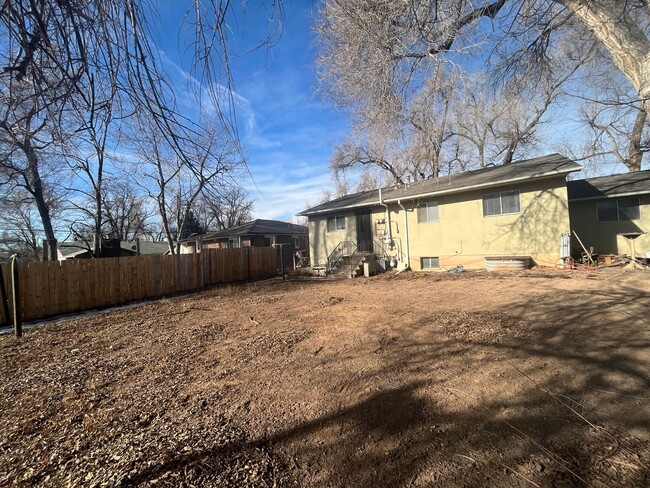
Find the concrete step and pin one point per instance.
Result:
(351, 265)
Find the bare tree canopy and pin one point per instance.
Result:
(72, 73)
(391, 64)
(227, 207)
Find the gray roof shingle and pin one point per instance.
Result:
(609, 186)
(552, 164)
(70, 249)
(255, 227)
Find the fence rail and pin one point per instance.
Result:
(53, 288)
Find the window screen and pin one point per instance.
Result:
(510, 202)
(492, 204)
(628, 208)
(429, 263)
(505, 202)
(428, 212)
(607, 211)
(335, 223)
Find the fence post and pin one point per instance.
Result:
(177, 272)
(5, 300)
(248, 261)
(198, 262)
(280, 247)
(15, 289)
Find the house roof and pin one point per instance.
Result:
(255, 227)
(146, 248)
(545, 166)
(72, 249)
(68, 250)
(610, 186)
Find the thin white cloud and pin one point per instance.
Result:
(201, 100)
(282, 200)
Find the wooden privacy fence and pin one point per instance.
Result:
(57, 287)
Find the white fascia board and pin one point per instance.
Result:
(477, 187)
(442, 192)
(338, 209)
(617, 195)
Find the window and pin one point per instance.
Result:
(502, 203)
(428, 212)
(619, 209)
(232, 243)
(429, 263)
(335, 223)
(607, 211)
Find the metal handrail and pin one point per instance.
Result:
(343, 248)
(376, 248)
(354, 264)
(377, 245)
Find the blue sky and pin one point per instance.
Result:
(286, 129)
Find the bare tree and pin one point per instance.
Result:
(619, 132)
(28, 137)
(398, 141)
(96, 54)
(94, 111)
(620, 26)
(113, 38)
(175, 183)
(497, 123)
(414, 112)
(126, 215)
(226, 207)
(375, 56)
(20, 227)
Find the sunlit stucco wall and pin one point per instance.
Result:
(322, 242)
(462, 234)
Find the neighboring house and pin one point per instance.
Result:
(511, 210)
(79, 250)
(257, 233)
(609, 210)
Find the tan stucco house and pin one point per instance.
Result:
(512, 210)
(609, 212)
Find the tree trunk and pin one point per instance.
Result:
(98, 207)
(635, 154)
(36, 189)
(624, 39)
(165, 221)
(510, 152)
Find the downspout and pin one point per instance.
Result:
(406, 236)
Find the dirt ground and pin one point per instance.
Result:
(533, 379)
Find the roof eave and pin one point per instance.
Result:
(483, 185)
(462, 189)
(307, 213)
(611, 195)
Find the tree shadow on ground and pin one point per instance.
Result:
(430, 413)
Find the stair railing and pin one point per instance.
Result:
(380, 251)
(355, 263)
(377, 249)
(343, 248)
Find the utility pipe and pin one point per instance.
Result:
(406, 235)
(381, 202)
